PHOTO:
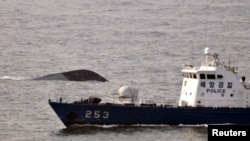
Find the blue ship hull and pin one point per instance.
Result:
(105, 114)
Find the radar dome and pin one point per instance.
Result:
(128, 92)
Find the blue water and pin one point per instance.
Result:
(139, 43)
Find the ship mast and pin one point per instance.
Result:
(207, 55)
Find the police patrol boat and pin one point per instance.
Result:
(213, 93)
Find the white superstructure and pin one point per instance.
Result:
(213, 84)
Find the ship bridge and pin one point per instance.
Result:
(213, 85)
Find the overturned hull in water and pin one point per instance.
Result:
(76, 75)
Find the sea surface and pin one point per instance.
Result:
(140, 43)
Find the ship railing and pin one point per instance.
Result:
(209, 63)
(232, 69)
(159, 102)
(167, 103)
(112, 100)
(141, 101)
(162, 102)
(67, 99)
(60, 99)
(246, 85)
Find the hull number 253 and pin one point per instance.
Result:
(96, 114)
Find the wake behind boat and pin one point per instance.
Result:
(212, 93)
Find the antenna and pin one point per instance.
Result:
(192, 54)
(237, 62)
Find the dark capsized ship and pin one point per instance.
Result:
(211, 94)
(74, 75)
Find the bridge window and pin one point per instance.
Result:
(210, 76)
(189, 75)
(219, 76)
(202, 76)
(194, 76)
